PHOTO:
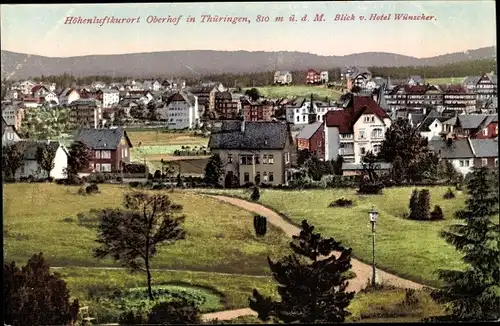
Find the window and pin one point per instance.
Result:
(496, 129)
(10, 136)
(298, 119)
(265, 177)
(303, 118)
(246, 160)
(377, 133)
(106, 167)
(271, 159)
(363, 150)
(23, 171)
(246, 177)
(257, 178)
(485, 132)
(264, 159)
(361, 134)
(376, 148)
(366, 118)
(484, 162)
(496, 162)
(98, 167)
(97, 154)
(271, 177)
(461, 163)
(466, 163)
(229, 158)
(106, 154)
(372, 118)
(287, 157)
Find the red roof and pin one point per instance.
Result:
(313, 71)
(36, 88)
(456, 89)
(345, 119)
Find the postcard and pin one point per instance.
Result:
(250, 162)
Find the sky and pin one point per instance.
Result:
(458, 26)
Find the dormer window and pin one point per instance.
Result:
(485, 132)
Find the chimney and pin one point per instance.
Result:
(243, 125)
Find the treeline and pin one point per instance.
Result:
(67, 80)
(457, 69)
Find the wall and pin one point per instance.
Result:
(368, 127)
(465, 169)
(435, 130)
(332, 141)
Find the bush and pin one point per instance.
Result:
(134, 168)
(178, 312)
(370, 188)
(449, 194)
(150, 176)
(437, 213)
(134, 317)
(10, 180)
(255, 196)
(119, 179)
(92, 189)
(159, 186)
(260, 225)
(157, 175)
(81, 191)
(133, 184)
(49, 179)
(341, 202)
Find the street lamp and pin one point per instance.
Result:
(373, 219)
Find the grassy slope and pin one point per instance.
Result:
(219, 237)
(411, 249)
(447, 80)
(298, 91)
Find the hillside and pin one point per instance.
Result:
(201, 62)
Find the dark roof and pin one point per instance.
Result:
(358, 105)
(308, 131)
(33, 145)
(102, 138)
(223, 96)
(256, 135)
(471, 80)
(458, 149)
(485, 147)
(471, 121)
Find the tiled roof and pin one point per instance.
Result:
(37, 87)
(471, 80)
(308, 131)
(283, 73)
(102, 139)
(256, 136)
(223, 96)
(108, 90)
(458, 149)
(485, 147)
(182, 97)
(33, 145)
(345, 119)
(471, 121)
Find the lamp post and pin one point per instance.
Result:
(373, 219)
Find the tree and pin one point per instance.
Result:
(151, 111)
(413, 206)
(303, 156)
(424, 204)
(79, 158)
(214, 170)
(119, 116)
(370, 166)
(314, 168)
(255, 196)
(13, 158)
(35, 296)
(176, 312)
(45, 156)
(253, 93)
(137, 112)
(447, 171)
(312, 282)
(338, 165)
(397, 170)
(473, 294)
(42, 123)
(132, 236)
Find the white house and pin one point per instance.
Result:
(354, 131)
(13, 95)
(68, 95)
(108, 97)
(9, 133)
(13, 115)
(458, 152)
(39, 91)
(324, 76)
(31, 166)
(152, 85)
(298, 112)
(51, 96)
(98, 85)
(180, 111)
(282, 77)
(25, 87)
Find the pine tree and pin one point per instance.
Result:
(413, 205)
(424, 204)
(474, 293)
(312, 287)
(214, 170)
(397, 170)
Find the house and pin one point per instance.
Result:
(13, 115)
(39, 91)
(86, 113)
(180, 111)
(254, 151)
(9, 133)
(431, 126)
(108, 97)
(486, 87)
(415, 80)
(472, 125)
(313, 77)
(31, 166)
(260, 110)
(25, 87)
(414, 97)
(32, 102)
(361, 76)
(324, 77)
(312, 138)
(297, 112)
(470, 83)
(152, 85)
(68, 95)
(226, 107)
(97, 85)
(354, 131)
(282, 77)
(206, 95)
(110, 148)
(457, 97)
(13, 95)
(485, 152)
(458, 152)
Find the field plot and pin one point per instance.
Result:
(410, 249)
(445, 81)
(219, 237)
(320, 92)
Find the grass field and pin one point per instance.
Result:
(444, 81)
(219, 237)
(161, 138)
(411, 249)
(293, 91)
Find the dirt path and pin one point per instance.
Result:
(362, 270)
(228, 314)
